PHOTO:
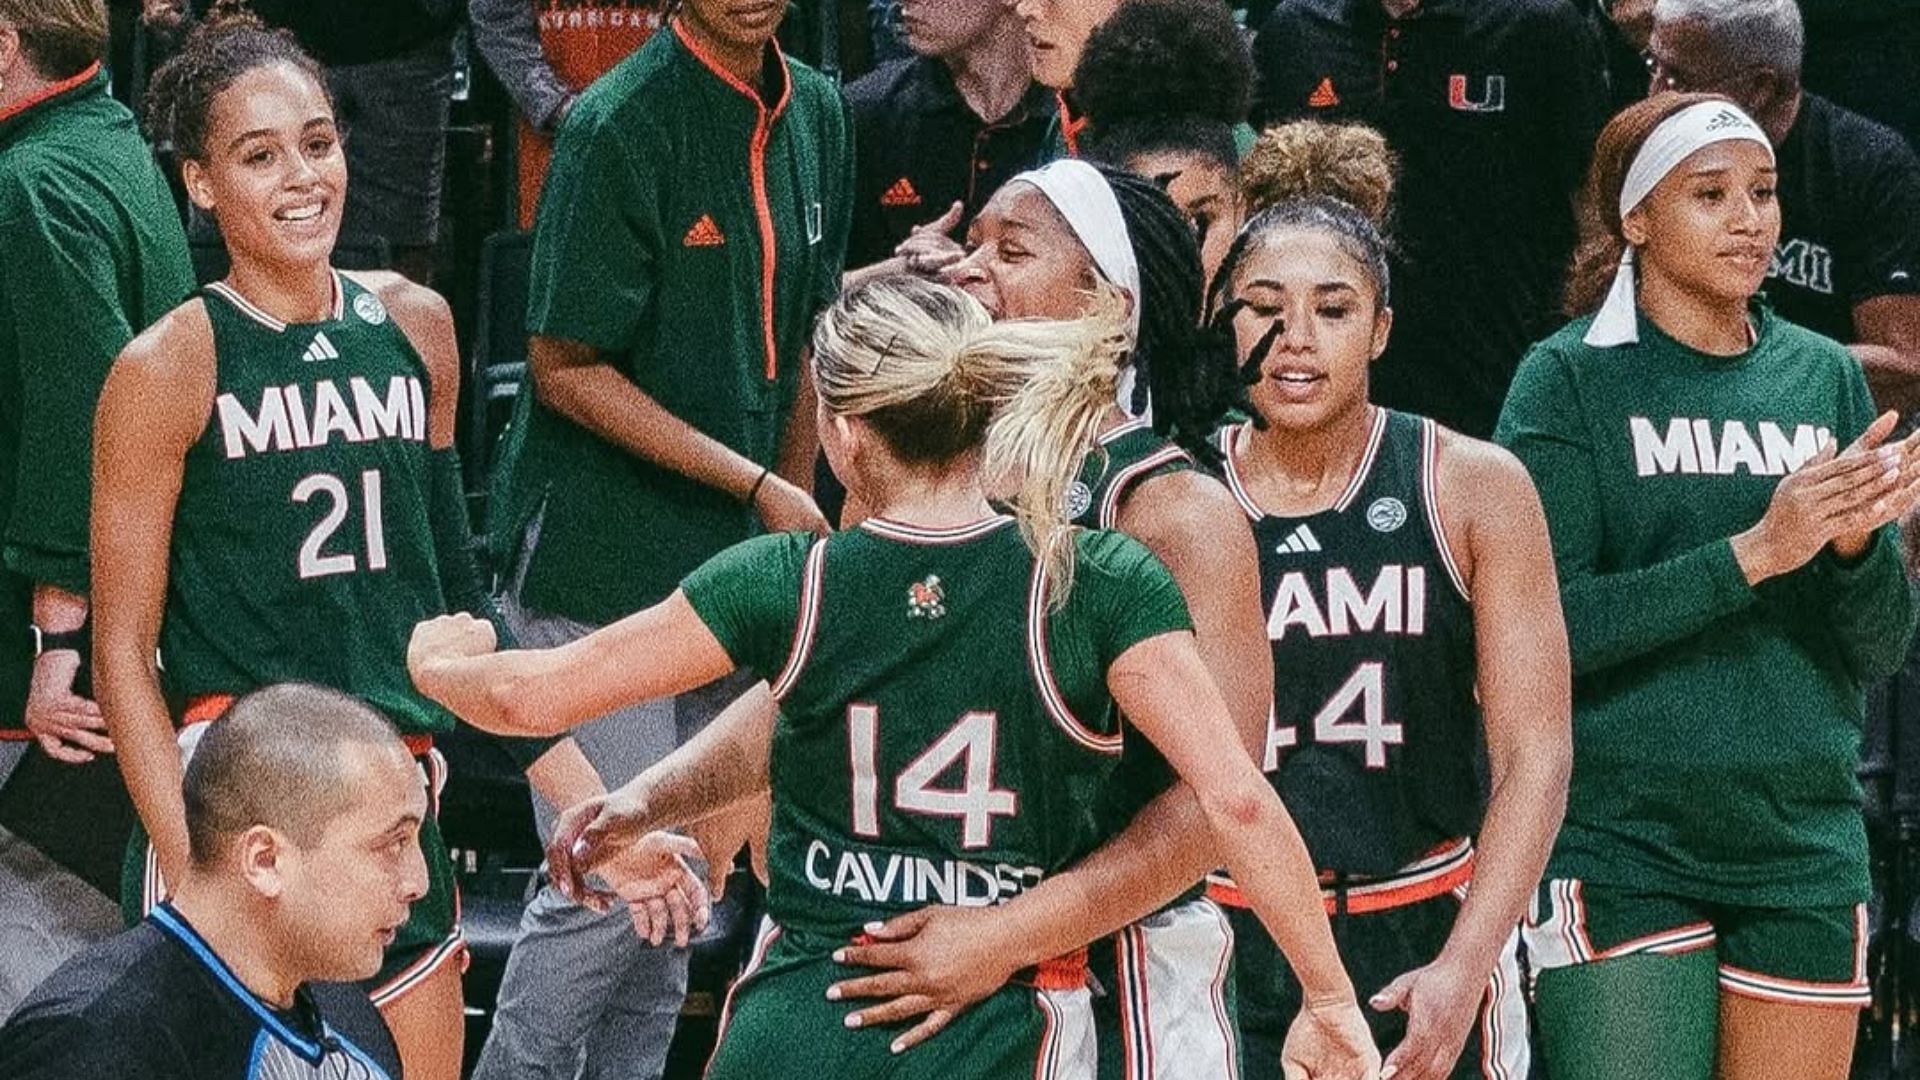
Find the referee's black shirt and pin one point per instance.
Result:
(918, 147)
(1493, 106)
(156, 1003)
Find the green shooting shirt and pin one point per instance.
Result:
(690, 230)
(91, 253)
(1716, 726)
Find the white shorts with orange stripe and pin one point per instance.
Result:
(1168, 1010)
(1800, 956)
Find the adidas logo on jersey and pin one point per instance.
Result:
(705, 233)
(902, 193)
(1300, 541)
(321, 349)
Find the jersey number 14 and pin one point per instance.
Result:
(970, 742)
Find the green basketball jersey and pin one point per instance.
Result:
(302, 546)
(943, 737)
(1121, 459)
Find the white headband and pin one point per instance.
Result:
(1085, 199)
(1675, 140)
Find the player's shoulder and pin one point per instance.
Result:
(179, 341)
(1111, 556)
(111, 989)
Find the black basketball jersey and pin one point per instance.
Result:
(1372, 741)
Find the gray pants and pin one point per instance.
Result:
(583, 995)
(46, 914)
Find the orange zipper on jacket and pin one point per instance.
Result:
(757, 170)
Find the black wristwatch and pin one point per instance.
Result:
(46, 641)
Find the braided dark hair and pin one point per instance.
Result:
(1189, 371)
(229, 42)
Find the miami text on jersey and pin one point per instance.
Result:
(285, 420)
(1691, 445)
(1395, 604)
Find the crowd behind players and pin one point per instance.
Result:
(642, 448)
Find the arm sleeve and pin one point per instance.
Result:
(460, 582)
(1611, 617)
(61, 279)
(508, 34)
(1869, 602)
(1887, 226)
(1136, 597)
(596, 237)
(749, 597)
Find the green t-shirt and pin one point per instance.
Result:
(928, 750)
(691, 233)
(91, 253)
(1716, 725)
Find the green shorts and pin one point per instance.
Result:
(429, 939)
(778, 1024)
(1800, 956)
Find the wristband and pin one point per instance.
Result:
(754, 491)
(46, 641)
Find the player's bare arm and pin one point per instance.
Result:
(576, 381)
(1499, 535)
(156, 402)
(654, 653)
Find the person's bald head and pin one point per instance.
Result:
(280, 758)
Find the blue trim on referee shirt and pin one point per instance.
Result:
(170, 920)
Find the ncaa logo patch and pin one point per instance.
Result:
(370, 309)
(1387, 514)
(1079, 498)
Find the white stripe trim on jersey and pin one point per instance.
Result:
(1042, 667)
(1113, 435)
(1117, 487)
(1422, 870)
(417, 972)
(1430, 495)
(1047, 1065)
(769, 933)
(1792, 991)
(916, 534)
(1505, 1053)
(1136, 1018)
(1360, 475)
(1217, 990)
(1228, 436)
(807, 623)
(252, 311)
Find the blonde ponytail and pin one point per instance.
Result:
(927, 368)
(1042, 434)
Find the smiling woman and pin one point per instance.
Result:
(277, 497)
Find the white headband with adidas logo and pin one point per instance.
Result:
(1675, 140)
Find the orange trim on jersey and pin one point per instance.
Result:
(1067, 972)
(1070, 125)
(757, 172)
(50, 92)
(210, 707)
(16, 735)
(1365, 898)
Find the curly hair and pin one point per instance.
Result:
(1305, 158)
(1165, 58)
(225, 45)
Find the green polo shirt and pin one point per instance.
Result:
(91, 253)
(690, 230)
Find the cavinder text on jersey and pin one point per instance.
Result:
(892, 877)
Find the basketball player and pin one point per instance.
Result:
(277, 496)
(974, 759)
(1731, 585)
(1410, 595)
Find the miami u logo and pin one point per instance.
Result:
(1493, 94)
